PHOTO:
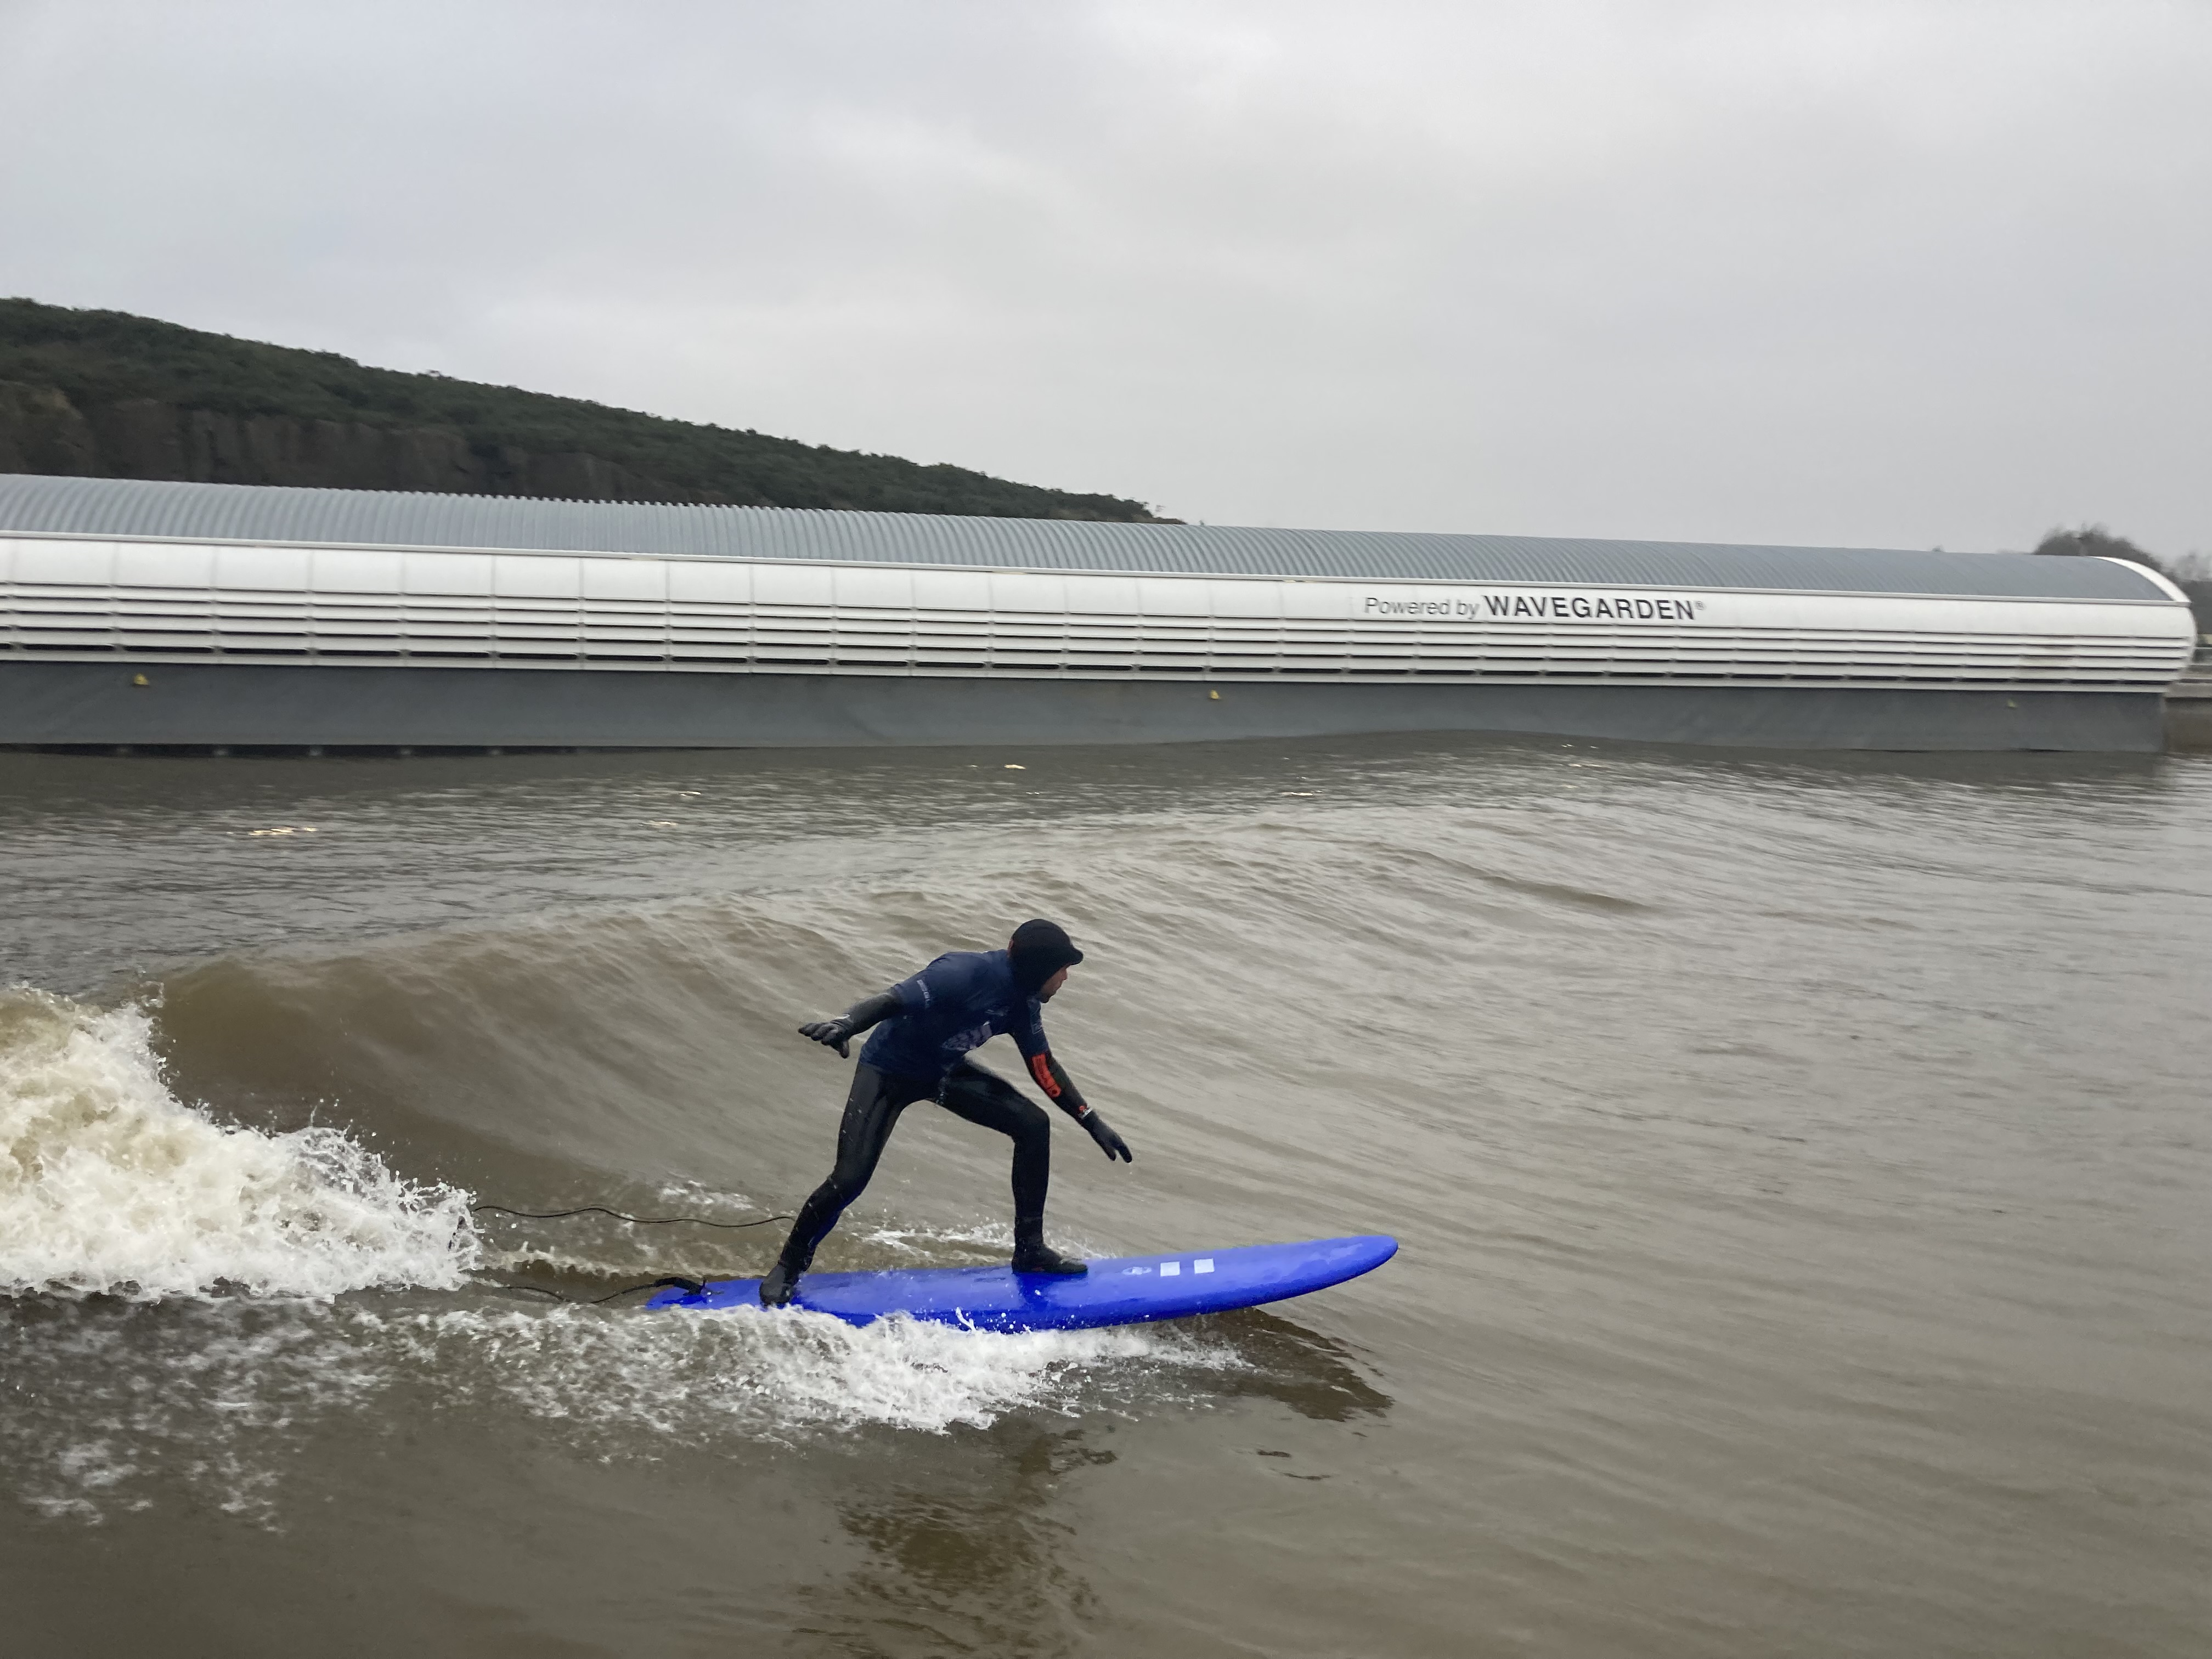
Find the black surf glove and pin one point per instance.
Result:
(831, 1034)
(862, 1015)
(1102, 1132)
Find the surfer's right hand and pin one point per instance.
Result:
(831, 1034)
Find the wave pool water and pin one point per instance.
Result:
(1801, 1168)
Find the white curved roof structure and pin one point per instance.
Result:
(258, 513)
(348, 616)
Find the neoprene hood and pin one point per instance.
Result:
(1039, 950)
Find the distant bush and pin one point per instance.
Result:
(2192, 573)
(2094, 541)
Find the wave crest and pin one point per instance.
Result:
(111, 1184)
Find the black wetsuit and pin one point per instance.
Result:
(872, 1112)
(919, 1051)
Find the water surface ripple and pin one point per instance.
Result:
(1801, 1166)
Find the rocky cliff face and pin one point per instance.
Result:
(42, 431)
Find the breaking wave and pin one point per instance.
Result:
(178, 1329)
(111, 1184)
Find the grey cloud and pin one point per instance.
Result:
(1897, 274)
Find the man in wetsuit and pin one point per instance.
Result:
(923, 1027)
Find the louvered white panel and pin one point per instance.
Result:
(1016, 594)
(1100, 596)
(808, 585)
(702, 583)
(349, 570)
(1227, 599)
(626, 578)
(1316, 601)
(867, 588)
(1171, 596)
(82, 597)
(64, 563)
(447, 572)
(152, 564)
(264, 624)
(264, 570)
(952, 590)
(523, 576)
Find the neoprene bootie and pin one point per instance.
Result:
(1036, 1257)
(783, 1281)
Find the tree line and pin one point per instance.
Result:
(110, 377)
(2192, 573)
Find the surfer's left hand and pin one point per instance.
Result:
(831, 1034)
(1108, 1143)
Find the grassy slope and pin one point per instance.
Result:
(97, 357)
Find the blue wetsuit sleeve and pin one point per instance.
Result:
(1027, 1030)
(939, 983)
(1049, 1075)
(871, 1012)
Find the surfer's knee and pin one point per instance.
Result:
(1031, 1127)
(842, 1187)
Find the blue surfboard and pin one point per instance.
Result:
(1123, 1290)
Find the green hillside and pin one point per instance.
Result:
(107, 394)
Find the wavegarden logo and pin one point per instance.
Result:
(1541, 607)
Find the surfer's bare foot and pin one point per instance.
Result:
(1043, 1258)
(779, 1286)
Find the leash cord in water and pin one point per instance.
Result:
(692, 1285)
(634, 1220)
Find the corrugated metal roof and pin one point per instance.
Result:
(259, 512)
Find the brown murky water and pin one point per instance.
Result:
(1802, 1168)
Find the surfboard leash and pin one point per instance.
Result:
(692, 1286)
(634, 1220)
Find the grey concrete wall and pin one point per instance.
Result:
(2189, 715)
(213, 703)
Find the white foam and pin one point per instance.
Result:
(698, 1377)
(109, 1184)
(118, 1405)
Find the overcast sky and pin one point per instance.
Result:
(1909, 275)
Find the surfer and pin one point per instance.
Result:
(924, 1027)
